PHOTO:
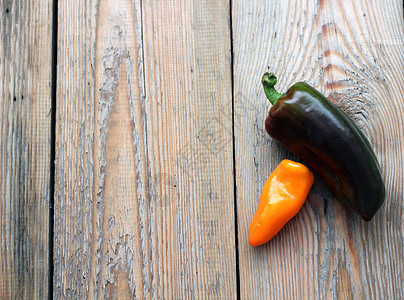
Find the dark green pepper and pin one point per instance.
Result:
(323, 136)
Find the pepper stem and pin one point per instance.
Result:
(268, 82)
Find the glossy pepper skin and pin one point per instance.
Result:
(323, 136)
(283, 195)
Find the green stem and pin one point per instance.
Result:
(269, 81)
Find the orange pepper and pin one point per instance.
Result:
(282, 197)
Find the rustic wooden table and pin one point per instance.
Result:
(153, 114)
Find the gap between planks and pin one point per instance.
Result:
(53, 145)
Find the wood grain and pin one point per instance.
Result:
(25, 103)
(189, 105)
(143, 140)
(353, 52)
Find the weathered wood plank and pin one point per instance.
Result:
(189, 106)
(25, 103)
(132, 219)
(100, 153)
(352, 51)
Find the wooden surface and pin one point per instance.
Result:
(141, 203)
(25, 129)
(161, 151)
(353, 52)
